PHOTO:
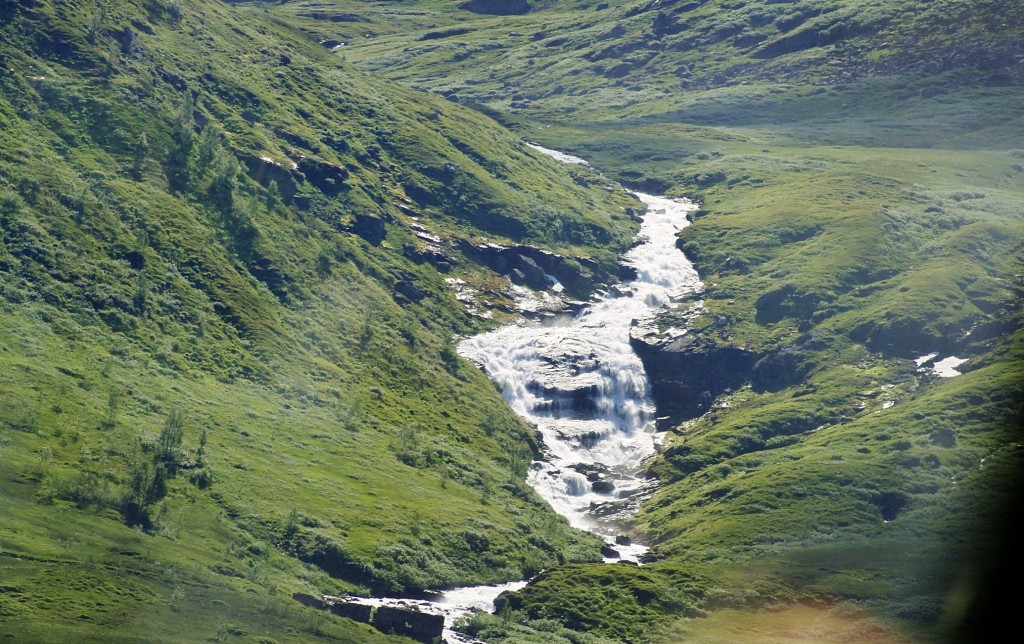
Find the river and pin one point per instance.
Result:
(578, 381)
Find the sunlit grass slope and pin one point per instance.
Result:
(226, 375)
(859, 170)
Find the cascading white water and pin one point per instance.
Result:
(585, 389)
(581, 384)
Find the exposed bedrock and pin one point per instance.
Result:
(689, 372)
(530, 266)
(497, 7)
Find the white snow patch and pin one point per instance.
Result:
(946, 368)
(559, 156)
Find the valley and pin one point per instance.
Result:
(244, 245)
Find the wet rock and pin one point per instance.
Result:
(576, 275)
(623, 540)
(687, 373)
(603, 487)
(609, 552)
(422, 627)
(531, 274)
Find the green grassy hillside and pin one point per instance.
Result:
(858, 166)
(225, 347)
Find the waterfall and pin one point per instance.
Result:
(581, 384)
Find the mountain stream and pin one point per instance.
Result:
(578, 381)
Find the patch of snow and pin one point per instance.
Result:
(946, 368)
(560, 156)
(923, 359)
(888, 403)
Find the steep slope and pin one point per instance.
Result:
(858, 166)
(227, 340)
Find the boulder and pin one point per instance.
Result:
(422, 627)
(409, 290)
(533, 275)
(329, 178)
(609, 552)
(369, 227)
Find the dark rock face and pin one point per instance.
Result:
(497, 7)
(688, 373)
(408, 622)
(783, 368)
(327, 177)
(890, 504)
(358, 612)
(409, 290)
(309, 600)
(531, 274)
(533, 264)
(430, 255)
(422, 627)
(264, 170)
(369, 227)
(608, 551)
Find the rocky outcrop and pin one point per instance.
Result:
(497, 7)
(530, 266)
(266, 170)
(780, 369)
(391, 620)
(369, 227)
(358, 612)
(329, 178)
(408, 290)
(422, 627)
(689, 372)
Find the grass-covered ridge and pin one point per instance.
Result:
(228, 369)
(859, 170)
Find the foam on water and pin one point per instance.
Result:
(583, 387)
(581, 383)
